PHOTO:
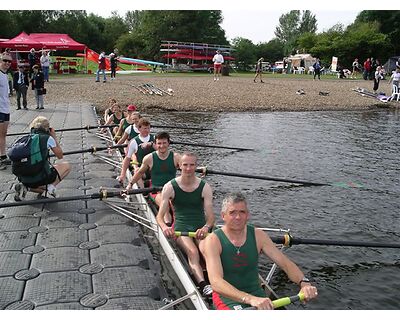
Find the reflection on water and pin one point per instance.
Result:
(328, 147)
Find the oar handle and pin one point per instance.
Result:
(283, 302)
(191, 234)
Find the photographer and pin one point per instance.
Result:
(49, 176)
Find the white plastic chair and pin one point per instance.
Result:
(310, 70)
(395, 93)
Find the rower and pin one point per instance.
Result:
(191, 198)
(128, 127)
(108, 112)
(232, 253)
(162, 165)
(115, 118)
(138, 148)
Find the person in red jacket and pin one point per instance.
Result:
(367, 68)
(102, 67)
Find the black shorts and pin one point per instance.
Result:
(4, 117)
(48, 180)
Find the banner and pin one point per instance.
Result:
(334, 64)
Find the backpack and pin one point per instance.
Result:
(27, 156)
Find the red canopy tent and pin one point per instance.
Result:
(21, 42)
(60, 41)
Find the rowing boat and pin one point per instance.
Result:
(175, 257)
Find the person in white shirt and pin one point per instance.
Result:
(218, 60)
(5, 64)
(45, 64)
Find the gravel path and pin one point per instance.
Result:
(201, 93)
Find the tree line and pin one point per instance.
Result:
(138, 34)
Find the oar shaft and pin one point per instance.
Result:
(92, 149)
(103, 194)
(240, 175)
(289, 241)
(69, 129)
(210, 146)
(181, 127)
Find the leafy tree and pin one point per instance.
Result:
(245, 53)
(292, 25)
(271, 51)
(388, 23)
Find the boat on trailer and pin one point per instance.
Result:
(147, 219)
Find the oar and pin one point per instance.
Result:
(102, 195)
(287, 240)
(283, 302)
(181, 127)
(210, 146)
(241, 175)
(69, 129)
(92, 149)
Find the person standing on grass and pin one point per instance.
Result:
(113, 63)
(101, 67)
(5, 64)
(45, 64)
(218, 60)
(259, 70)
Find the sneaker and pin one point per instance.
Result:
(20, 192)
(51, 191)
(207, 290)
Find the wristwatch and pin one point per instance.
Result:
(304, 280)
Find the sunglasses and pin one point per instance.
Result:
(9, 61)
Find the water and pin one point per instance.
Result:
(327, 147)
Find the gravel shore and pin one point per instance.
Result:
(201, 93)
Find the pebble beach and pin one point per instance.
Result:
(201, 93)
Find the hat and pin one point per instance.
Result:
(35, 66)
(131, 107)
(6, 56)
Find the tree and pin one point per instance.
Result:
(292, 25)
(245, 53)
(271, 51)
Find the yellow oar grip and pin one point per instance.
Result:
(190, 234)
(279, 303)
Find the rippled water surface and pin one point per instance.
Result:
(328, 147)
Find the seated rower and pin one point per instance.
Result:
(232, 260)
(128, 127)
(115, 118)
(138, 148)
(108, 112)
(191, 198)
(50, 175)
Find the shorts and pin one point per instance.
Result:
(50, 178)
(4, 117)
(217, 66)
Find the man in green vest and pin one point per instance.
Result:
(191, 198)
(232, 255)
(138, 148)
(162, 165)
